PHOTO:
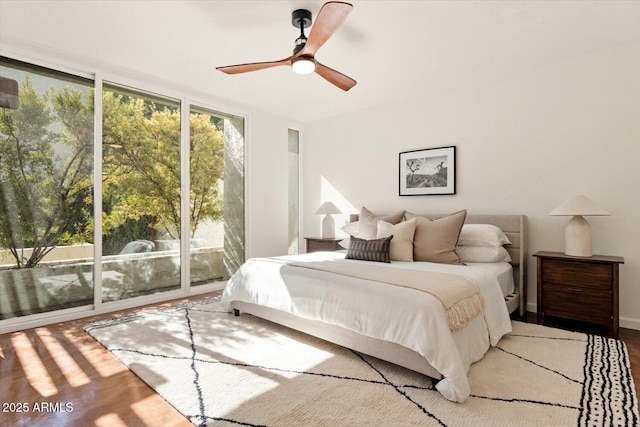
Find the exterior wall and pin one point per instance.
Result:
(57, 254)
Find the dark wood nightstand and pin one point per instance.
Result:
(579, 288)
(315, 244)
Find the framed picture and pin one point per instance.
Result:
(428, 171)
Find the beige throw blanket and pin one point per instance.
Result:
(459, 295)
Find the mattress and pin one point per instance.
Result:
(503, 271)
(395, 314)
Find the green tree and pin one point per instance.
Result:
(45, 198)
(46, 170)
(141, 146)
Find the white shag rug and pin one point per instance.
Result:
(222, 370)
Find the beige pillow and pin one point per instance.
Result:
(402, 242)
(368, 222)
(435, 240)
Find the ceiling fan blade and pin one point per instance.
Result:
(329, 19)
(254, 66)
(335, 77)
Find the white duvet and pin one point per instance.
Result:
(392, 313)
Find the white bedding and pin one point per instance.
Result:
(503, 272)
(400, 315)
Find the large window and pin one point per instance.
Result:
(172, 184)
(140, 193)
(46, 192)
(216, 205)
(294, 190)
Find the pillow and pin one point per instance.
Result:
(344, 243)
(402, 243)
(368, 222)
(370, 250)
(351, 228)
(436, 240)
(487, 235)
(483, 254)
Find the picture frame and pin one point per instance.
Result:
(429, 171)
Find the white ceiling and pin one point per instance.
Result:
(395, 49)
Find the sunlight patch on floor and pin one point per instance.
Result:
(32, 365)
(68, 366)
(141, 409)
(110, 420)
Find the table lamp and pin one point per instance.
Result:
(328, 224)
(577, 234)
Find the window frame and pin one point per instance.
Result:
(187, 101)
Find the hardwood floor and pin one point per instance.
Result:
(61, 364)
(65, 378)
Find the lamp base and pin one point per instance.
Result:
(577, 237)
(328, 227)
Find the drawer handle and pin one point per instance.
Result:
(575, 289)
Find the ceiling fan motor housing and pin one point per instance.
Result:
(300, 18)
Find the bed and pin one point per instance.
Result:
(291, 291)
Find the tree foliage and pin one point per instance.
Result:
(141, 146)
(46, 170)
(45, 196)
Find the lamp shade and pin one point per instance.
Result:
(579, 205)
(328, 208)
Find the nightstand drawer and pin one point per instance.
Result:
(578, 303)
(579, 288)
(318, 245)
(315, 244)
(579, 274)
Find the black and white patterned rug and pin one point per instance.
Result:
(222, 370)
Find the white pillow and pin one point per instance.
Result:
(483, 254)
(351, 228)
(345, 243)
(487, 235)
(402, 242)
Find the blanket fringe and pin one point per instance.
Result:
(467, 308)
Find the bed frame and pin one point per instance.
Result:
(514, 226)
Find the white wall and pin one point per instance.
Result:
(266, 194)
(524, 144)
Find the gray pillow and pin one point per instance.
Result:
(370, 250)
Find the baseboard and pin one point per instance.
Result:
(630, 323)
(624, 322)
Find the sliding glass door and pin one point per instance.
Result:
(46, 191)
(140, 193)
(216, 202)
(171, 182)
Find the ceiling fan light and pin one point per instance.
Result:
(303, 65)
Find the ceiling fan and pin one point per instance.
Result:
(303, 61)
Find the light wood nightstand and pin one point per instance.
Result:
(579, 288)
(315, 244)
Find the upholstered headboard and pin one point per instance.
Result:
(515, 227)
